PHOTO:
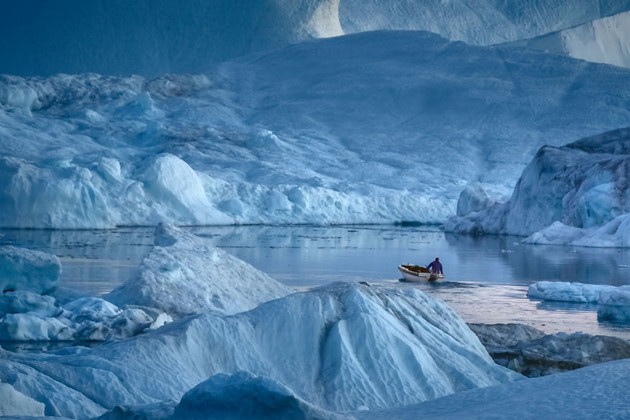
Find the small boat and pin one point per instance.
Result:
(417, 273)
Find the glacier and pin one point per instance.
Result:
(603, 40)
(154, 37)
(576, 195)
(338, 130)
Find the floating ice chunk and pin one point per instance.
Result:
(17, 404)
(613, 234)
(569, 292)
(185, 274)
(614, 305)
(244, 395)
(25, 269)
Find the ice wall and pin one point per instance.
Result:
(475, 22)
(576, 194)
(367, 128)
(605, 40)
(154, 37)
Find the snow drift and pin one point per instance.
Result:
(339, 347)
(331, 131)
(575, 194)
(154, 37)
(184, 274)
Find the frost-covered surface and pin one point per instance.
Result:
(343, 346)
(399, 123)
(598, 391)
(26, 269)
(602, 40)
(26, 316)
(575, 194)
(530, 352)
(153, 37)
(185, 274)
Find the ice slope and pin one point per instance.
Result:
(339, 347)
(374, 127)
(605, 40)
(575, 194)
(154, 37)
(475, 22)
(183, 274)
(593, 392)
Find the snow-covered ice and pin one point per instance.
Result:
(26, 269)
(339, 130)
(575, 194)
(339, 347)
(598, 391)
(185, 274)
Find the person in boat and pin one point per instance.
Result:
(436, 267)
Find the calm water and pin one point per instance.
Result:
(487, 277)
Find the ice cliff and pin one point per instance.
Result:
(368, 128)
(575, 194)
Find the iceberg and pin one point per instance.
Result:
(603, 40)
(575, 194)
(236, 144)
(339, 347)
(26, 269)
(184, 274)
(613, 301)
(157, 37)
